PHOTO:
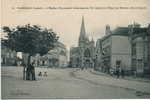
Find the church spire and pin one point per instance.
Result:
(82, 30)
(82, 37)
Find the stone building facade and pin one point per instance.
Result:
(83, 55)
(113, 50)
(140, 43)
(57, 57)
(127, 47)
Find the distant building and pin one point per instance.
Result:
(8, 56)
(140, 43)
(98, 55)
(57, 57)
(83, 55)
(25, 58)
(74, 57)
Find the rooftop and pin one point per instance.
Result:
(121, 31)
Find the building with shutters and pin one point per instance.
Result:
(114, 50)
(140, 51)
(125, 47)
(57, 57)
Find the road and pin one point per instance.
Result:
(69, 84)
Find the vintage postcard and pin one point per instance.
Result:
(75, 49)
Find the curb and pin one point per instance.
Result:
(126, 78)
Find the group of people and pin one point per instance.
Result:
(45, 74)
(29, 72)
(120, 72)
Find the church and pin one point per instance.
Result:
(83, 55)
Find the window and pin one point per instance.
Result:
(148, 51)
(12, 55)
(133, 49)
(106, 50)
(62, 53)
(87, 53)
(7, 55)
(134, 64)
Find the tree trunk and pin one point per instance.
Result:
(28, 71)
(24, 73)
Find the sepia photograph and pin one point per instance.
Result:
(75, 49)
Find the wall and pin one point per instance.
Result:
(62, 61)
(121, 50)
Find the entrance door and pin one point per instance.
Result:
(87, 56)
(139, 68)
(87, 63)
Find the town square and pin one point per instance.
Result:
(75, 53)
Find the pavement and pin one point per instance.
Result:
(132, 78)
(103, 79)
(69, 84)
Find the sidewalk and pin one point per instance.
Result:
(132, 78)
(136, 86)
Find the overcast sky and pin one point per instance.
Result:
(67, 22)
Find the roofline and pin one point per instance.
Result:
(107, 36)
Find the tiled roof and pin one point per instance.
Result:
(121, 31)
(139, 30)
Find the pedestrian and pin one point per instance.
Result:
(135, 74)
(122, 73)
(32, 70)
(45, 74)
(40, 74)
(28, 73)
(82, 68)
(117, 72)
(24, 70)
(111, 72)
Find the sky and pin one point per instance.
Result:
(67, 22)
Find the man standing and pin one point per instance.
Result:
(32, 71)
(117, 71)
(122, 72)
(24, 70)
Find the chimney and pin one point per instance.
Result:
(107, 31)
(136, 25)
(149, 25)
